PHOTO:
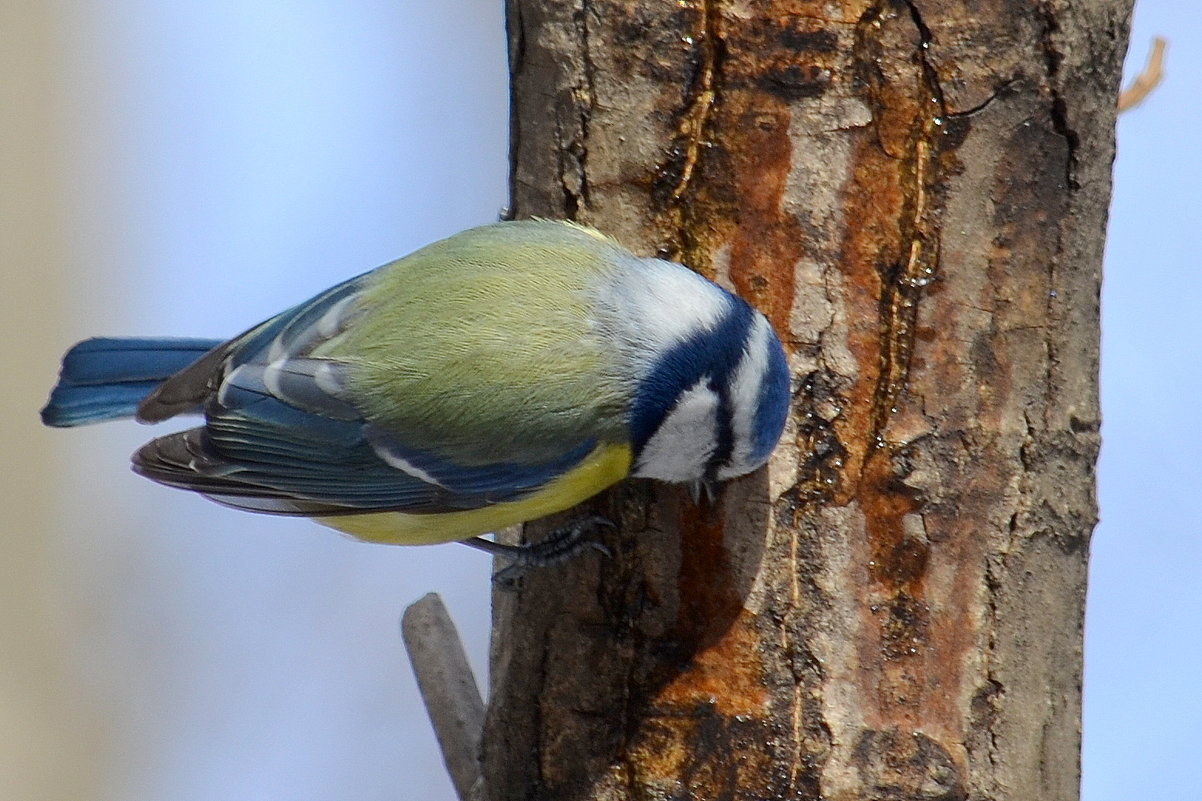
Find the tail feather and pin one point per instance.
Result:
(105, 379)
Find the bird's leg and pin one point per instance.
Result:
(560, 545)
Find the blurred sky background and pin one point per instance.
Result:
(210, 164)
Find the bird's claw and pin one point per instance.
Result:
(560, 545)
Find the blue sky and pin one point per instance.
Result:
(1143, 715)
(229, 159)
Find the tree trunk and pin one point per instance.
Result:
(915, 193)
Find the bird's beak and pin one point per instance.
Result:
(703, 488)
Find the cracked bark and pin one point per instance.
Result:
(915, 194)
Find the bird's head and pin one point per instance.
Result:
(712, 393)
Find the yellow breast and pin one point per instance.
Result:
(606, 465)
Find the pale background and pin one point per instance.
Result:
(190, 168)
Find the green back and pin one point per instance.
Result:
(481, 347)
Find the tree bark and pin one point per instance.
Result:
(915, 193)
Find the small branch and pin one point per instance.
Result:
(448, 689)
(1147, 80)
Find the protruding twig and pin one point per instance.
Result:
(448, 688)
(1147, 80)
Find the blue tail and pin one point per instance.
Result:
(106, 379)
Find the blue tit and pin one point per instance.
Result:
(500, 375)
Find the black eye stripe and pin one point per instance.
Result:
(714, 352)
(725, 444)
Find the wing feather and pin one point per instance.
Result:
(283, 434)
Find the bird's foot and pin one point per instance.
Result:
(560, 545)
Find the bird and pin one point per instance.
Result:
(500, 375)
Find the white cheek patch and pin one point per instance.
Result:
(745, 386)
(682, 445)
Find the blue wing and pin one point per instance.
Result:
(284, 435)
